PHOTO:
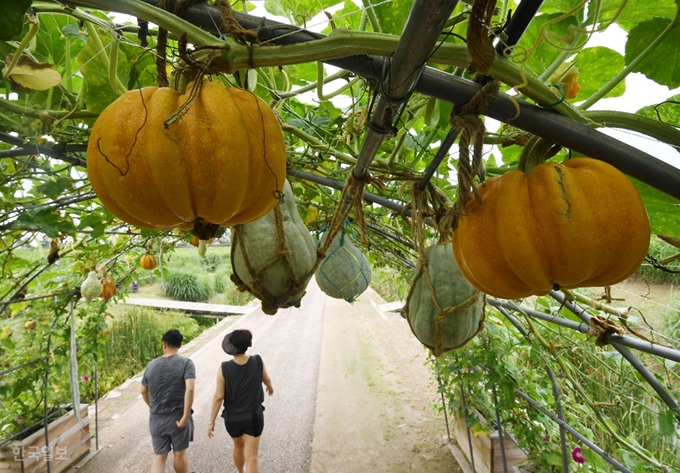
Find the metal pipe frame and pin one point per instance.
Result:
(444, 86)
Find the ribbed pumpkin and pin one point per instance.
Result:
(273, 257)
(446, 311)
(148, 262)
(580, 223)
(222, 163)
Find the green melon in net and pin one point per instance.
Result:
(443, 309)
(273, 257)
(345, 272)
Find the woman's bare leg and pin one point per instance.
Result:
(251, 449)
(239, 454)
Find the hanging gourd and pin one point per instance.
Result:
(345, 272)
(108, 288)
(580, 223)
(91, 288)
(148, 262)
(443, 309)
(273, 257)
(160, 159)
(194, 241)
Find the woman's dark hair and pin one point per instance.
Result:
(241, 340)
(173, 338)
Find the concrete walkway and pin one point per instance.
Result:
(289, 344)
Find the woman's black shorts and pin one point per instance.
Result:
(252, 426)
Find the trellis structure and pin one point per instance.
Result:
(397, 72)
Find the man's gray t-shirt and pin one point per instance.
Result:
(165, 378)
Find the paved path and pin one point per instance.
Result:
(290, 347)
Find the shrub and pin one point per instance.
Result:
(660, 250)
(221, 282)
(390, 283)
(211, 262)
(671, 321)
(184, 286)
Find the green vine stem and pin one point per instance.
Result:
(372, 18)
(33, 30)
(633, 122)
(320, 145)
(340, 43)
(614, 81)
(116, 84)
(321, 81)
(53, 114)
(162, 18)
(289, 94)
(609, 309)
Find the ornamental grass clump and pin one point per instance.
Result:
(188, 287)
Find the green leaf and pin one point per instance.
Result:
(348, 17)
(53, 188)
(94, 221)
(392, 15)
(32, 75)
(667, 112)
(46, 221)
(661, 208)
(299, 11)
(667, 423)
(12, 17)
(98, 91)
(596, 67)
(634, 13)
(662, 65)
(544, 54)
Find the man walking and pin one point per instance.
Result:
(168, 388)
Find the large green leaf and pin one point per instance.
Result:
(634, 12)
(46, 221)
(662, 209)
(299, 11)
(12, 17)
(544, 54)
(667, 112)
(596, 67)
(95, 70)
(663, 63)
(348, 17)
(392, 15)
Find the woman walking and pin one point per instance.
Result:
(239, 390)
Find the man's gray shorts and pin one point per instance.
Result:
(165, 435)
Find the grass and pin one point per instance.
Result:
(133, 339)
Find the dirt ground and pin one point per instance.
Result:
(376, 397)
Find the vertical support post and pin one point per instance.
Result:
(465, 411)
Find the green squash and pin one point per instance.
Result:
(273, 257)
(445, 312)
(345, 272)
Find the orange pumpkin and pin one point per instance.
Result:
(148, 262)
(194, 241)
(222, 163)
(581, 223)
(108, 288)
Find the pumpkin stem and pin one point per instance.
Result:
(205, 230)
(536, 152)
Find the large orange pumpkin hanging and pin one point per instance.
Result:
(581, 223)
(221, 161)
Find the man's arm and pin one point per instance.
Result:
(188, 402)
(267, 380)
(145, 395)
